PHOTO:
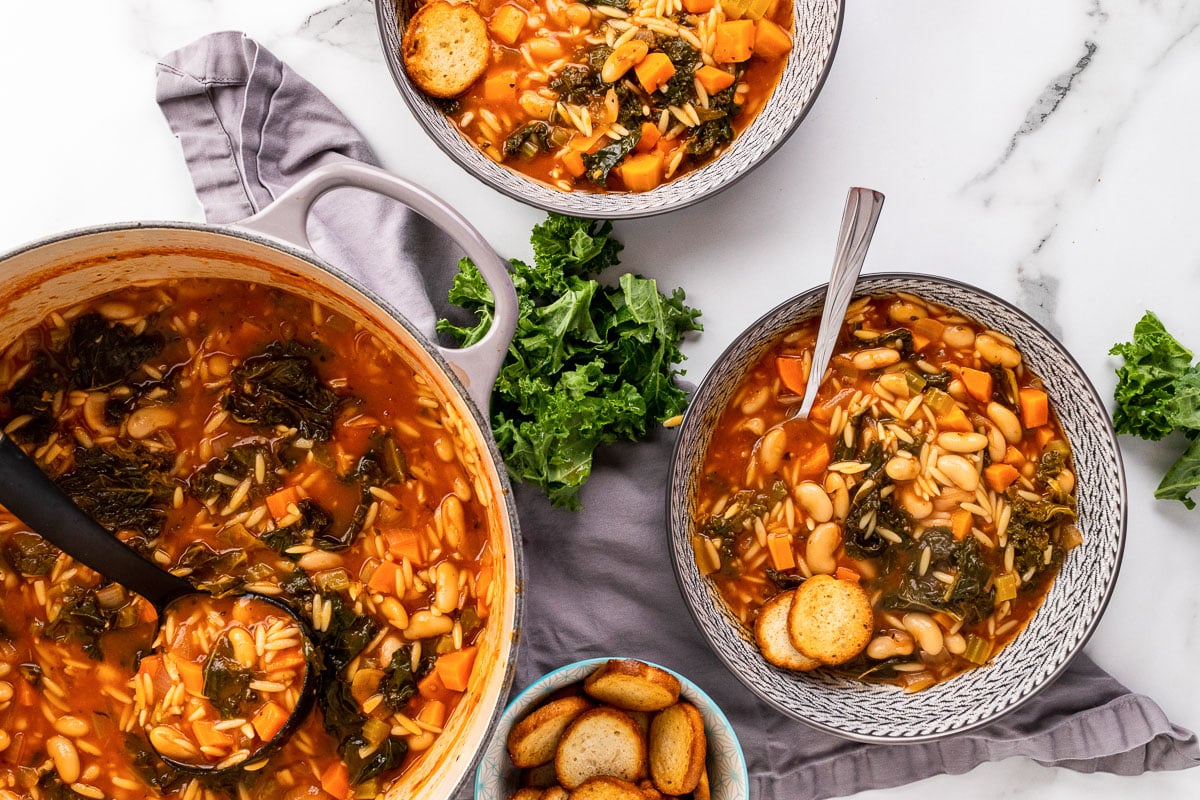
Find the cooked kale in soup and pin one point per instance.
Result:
(246, 439)
(932, 473)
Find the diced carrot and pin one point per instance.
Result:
(192, 675)
(815, 462)
(960, 523)
(978, 383)
(714, 79)
(268, 720)
(279, 501)
(792, 373)
(483, 586)
(925, 329)
(698, 6)
(1013, 456)
(1035, 407)
(641, 172)
(846, 574)
(151, 665)
(654, 71)
(208, 736)
(1043, 437)
(282, 662)
(572, 161)
(649, 138)
(734, 41)
(770, 40)
(507, 22)
(780, 547)
(955, 420)
(455, 668)
(501, 86)
(431, 686)
(433, 713)
(336, 779)
(405, 543)
(383, 580)
(1000, 476)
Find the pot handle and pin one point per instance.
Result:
(477, 365)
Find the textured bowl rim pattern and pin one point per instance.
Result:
(818, 27)
(494, 770)
(1036, 657)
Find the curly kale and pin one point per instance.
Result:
(597, 165)
(122, 488)
(81, 619)
(280, 386)
(529, 140)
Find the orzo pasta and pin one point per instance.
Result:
(932, 472)
(621, 95)
(248, 440)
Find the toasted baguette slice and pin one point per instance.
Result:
(526, 793)
(602, 741)
(633, 686)
(771, 633)
(554, 793)
(534, 739)
(678, 748)
(830, 619)
(542, 776)
(445, 48)
(603, 787)
(703, 791)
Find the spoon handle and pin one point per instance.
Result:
(858, 226)
(37, 501)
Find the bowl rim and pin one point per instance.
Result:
(538, 689)
(547, 198)
(866, 286)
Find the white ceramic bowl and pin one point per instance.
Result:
(496, 777)
(818, 26)
(1058, 630)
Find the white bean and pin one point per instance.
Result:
(5, 741)
(72, 726)
(875, 358)
(445, 582)
(1006, 421)
(243, 647)
(454, 526)
(994, 350)
(813, 499)
(894, 382)
(905, 311)
(959, 470)
(959, 337)
(925, 631)
(917, 506)
(424, 624)
(997, 444)
(955, 643)
(146, 420)
(66, 758)
(835, 485)
(890, 645)
(770, 450)
(960, 442)
(821, 548)
(755, 402)
(902, 467)
(623, 59)
(1066, 480)
(319, 561)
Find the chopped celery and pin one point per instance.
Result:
(1006, 587)
(332, 580)
(977, 650)
(938, 401)
(375, 730)
(916, 381)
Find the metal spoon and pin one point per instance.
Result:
(37, 501)
(858, 226)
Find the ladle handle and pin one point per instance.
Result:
(858, 226)
(37, 501)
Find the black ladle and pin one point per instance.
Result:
(37, 501)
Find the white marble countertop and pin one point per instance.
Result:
(1046, 152)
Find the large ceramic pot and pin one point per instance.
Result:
(271, 247)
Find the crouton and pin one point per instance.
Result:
(677, 748)
(601, 741)
(533, 740)
(830, 619)
(603, 787)
(771, 633)
(633, 686)
(445, 48)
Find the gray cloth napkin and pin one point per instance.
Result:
(600, 580)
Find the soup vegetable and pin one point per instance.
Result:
(621, 95)
(932, 480)
(246, 439)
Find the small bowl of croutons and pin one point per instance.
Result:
(612, 729)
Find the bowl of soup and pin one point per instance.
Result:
(249, 420)
(621, 109)
(932, 545)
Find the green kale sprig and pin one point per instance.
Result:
(1157, 393)
(590, 364)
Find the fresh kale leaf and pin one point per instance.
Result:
(589, 364)
(1182, 477)
(1146, 381)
